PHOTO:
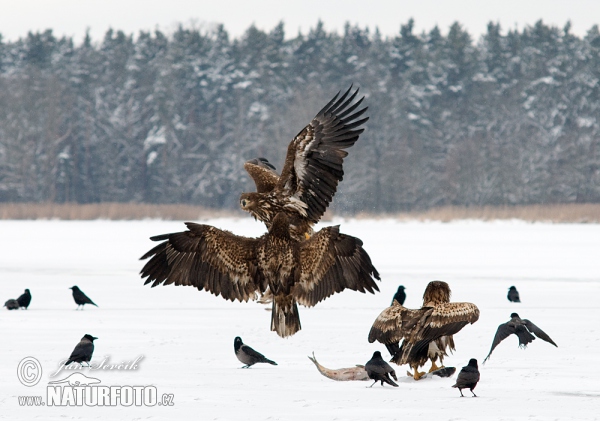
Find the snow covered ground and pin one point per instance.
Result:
(186, 336)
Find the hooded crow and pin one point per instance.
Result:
(12, 304)
(83, 350)
(248, 355)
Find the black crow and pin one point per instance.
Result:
(400, 295)
(80, 298)
(247, 355)
(83, 350)
(523, 328)
(24, 299)
(468, 378)
(513, 295)
(379, 370)
(12, 304)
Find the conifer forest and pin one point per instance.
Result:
(510, 118)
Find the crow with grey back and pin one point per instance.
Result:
(468, 378)
(378, 370)
(83, 350)
(399, 296)
(523, 328)
(513, 295)
(247, 355)
(80, 298)
(11, 304)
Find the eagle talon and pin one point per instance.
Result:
(417, 375)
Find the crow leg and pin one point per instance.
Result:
(474, 395)
(373, 383)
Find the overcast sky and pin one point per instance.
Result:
(72, 17)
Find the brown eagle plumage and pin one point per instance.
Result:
(425, 333)
(312, 169)
(238, 267)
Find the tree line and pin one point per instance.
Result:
(509, 119)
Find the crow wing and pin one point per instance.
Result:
(538, 332)
(207, 258)
(83, 351)
(81, 298)
(331, 262)
(313, 163)
(263, 173)
(251, 352)
(467, 377)
(507, 329)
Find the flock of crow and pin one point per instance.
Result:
(25, 299)
(291, 264)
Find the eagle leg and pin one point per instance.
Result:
(434, 366)
(417, 374)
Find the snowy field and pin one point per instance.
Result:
(186, 336)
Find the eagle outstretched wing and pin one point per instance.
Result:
(313, 163)
(207, 258)
(263, 173)
(419, 327)
(442, 320)
(392, 324)
(331, 262)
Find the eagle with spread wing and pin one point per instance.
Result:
(524, 329)
(237, 267)
(425, 333)
(312, 169)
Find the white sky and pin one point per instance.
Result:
(72, 17)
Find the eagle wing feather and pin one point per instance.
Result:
(314, 160)
(207, 258)
(331, 262)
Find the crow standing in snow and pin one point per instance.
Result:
(513, 295)
(11, 304)
(247, 355)
(24, 299)
(379, 370)
(83, 350)
(523, 328)
(468, 378)
(399, 296)
(80, 298)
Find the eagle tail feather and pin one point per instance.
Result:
(285, 319)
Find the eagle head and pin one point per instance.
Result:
(437, 292)
(258, 205)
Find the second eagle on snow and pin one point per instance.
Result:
(426, 333)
